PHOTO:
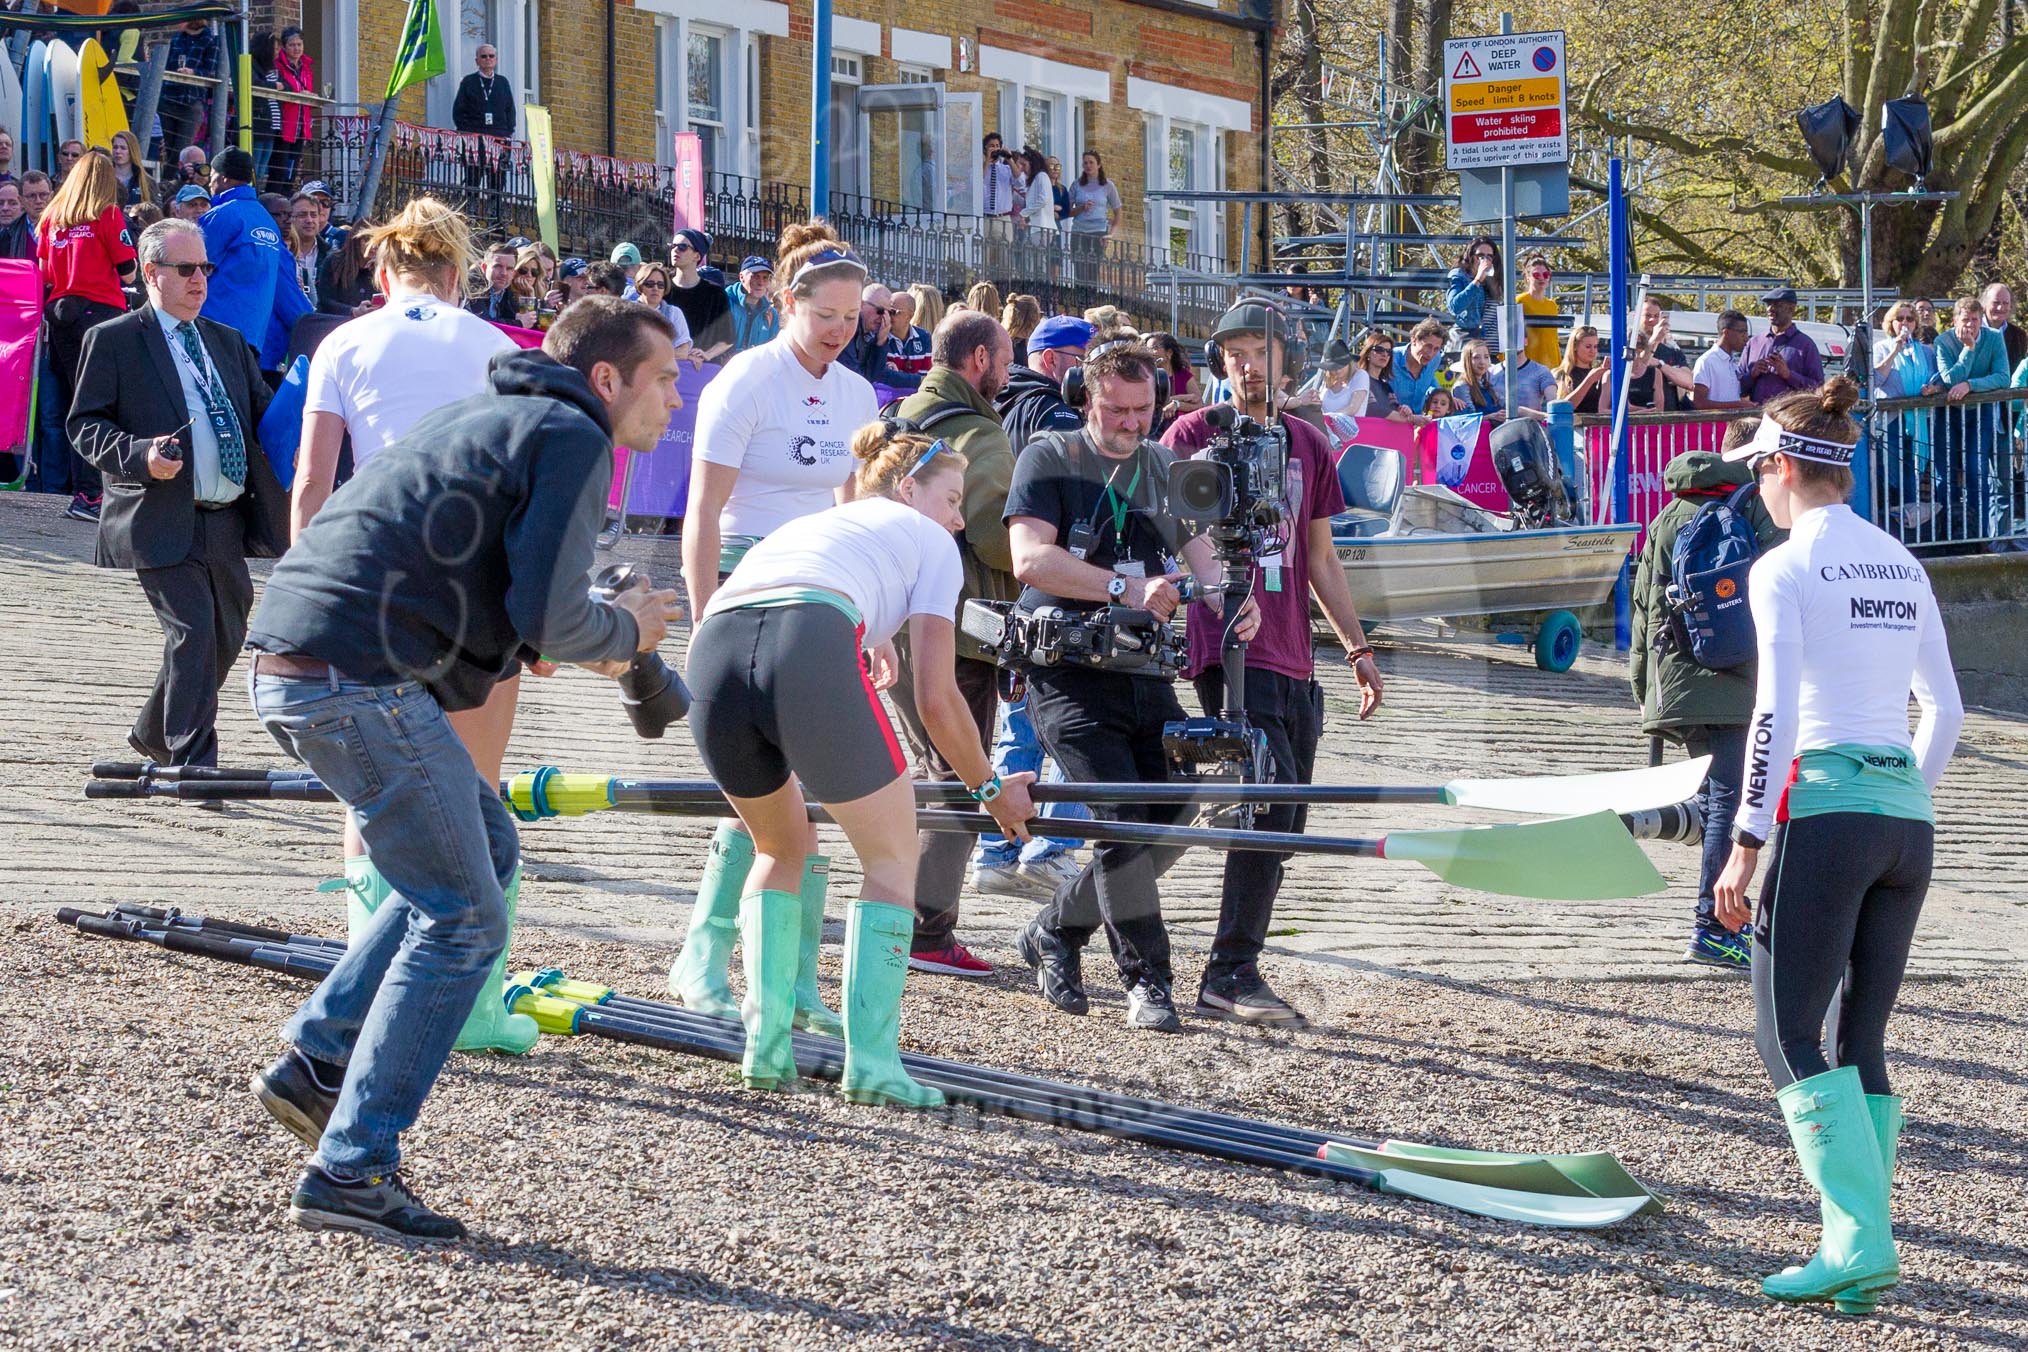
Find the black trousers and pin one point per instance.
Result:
(1102, 727)
(1837, 917)
(70, 318)
(940, 865)
(1291, 715)
(202, 604)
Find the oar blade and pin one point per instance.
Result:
(1596, 1171)
(1590, 858)
(1580, 795)
(1503, 1204)
(1520, 1174)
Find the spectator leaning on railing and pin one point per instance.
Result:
(1415, 372)
(1784, 358)
(1972, 358)
(1998, 302)
(1716, 379)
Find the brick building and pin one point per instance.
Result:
(1166, 91)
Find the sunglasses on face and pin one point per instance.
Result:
(188, 270)
(529, 271)
(679, 247)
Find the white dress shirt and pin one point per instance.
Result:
(207, 481)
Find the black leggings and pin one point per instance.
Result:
(778, 690)
(1839, 909)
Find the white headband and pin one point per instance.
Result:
(828, 258)
(1771, 437)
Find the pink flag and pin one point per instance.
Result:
(20, 320)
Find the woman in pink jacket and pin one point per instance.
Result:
(297, 73)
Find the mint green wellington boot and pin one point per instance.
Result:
(812, 1014)
(1832, 1130)
(1885, 1110)
(489, 1027)
(698, 976)
(876, 963)
(771, 929)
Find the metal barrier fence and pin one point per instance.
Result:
(602, 201)
(1938, 475)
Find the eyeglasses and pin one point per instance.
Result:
(1486, 254)
(937, 448)
(528, 271)
(187, 270)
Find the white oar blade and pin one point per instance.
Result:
(1578, 795)
(1504, 1204)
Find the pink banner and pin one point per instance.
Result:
(689, 185)
(660, 485)
(1480, 483)
(20, 320)
(1650, 447)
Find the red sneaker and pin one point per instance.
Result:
(957, 960)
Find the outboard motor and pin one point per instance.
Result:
(1527, 466)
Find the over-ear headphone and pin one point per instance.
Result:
(1075, 392)
(1276, 324)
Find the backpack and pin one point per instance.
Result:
(1707, 583)
(931, 418)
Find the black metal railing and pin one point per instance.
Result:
(602, 201)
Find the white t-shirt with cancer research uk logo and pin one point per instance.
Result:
(383, 371)
(787, 432)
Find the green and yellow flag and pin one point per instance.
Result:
(420, 53)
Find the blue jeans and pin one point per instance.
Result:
(1719, 799)
(1016, 749)
(52, 447)
(393, 1006)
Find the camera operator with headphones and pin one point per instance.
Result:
(1091, 530)
(1251, 347)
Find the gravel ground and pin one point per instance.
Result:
(624, 1197)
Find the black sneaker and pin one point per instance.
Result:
(157, 754)
(1244, 996)
(289, 1090)
(1151, 1008)
(82, 508)
(382, 1205)
(1059, 968)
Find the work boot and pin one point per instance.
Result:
(1832, 1129)
(489, 1027)
(698, 976)
(876, 964)
(771, 929)
(1885, 1111)
(812, 1014)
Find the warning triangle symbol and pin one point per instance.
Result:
(1468, 69)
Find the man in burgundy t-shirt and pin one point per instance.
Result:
(1283, 698)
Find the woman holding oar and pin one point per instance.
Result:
(782, 703)
(1846, 628)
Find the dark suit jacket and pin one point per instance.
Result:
(128, 393)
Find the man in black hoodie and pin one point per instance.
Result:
(1032, 400)
(459, 552)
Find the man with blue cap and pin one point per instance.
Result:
(755, 320)
(1032, 400)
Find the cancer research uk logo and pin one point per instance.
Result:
(798, 446)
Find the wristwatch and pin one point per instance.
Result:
(987, 791)
(1747, 840)
(1116, 590)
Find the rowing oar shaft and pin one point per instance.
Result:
(642, 795)
(822, 1061)
(171, 774)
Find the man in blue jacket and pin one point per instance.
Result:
(244, 245)
(386, 613)
(1972, 359)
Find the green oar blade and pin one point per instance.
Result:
(1566, 859)
(1578, 795)
(1504, 1204)
(1596, 1171)
(1522, 1174)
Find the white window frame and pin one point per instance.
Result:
(1206, 224)
(1068, 87)
(722, 129)
(740, 27)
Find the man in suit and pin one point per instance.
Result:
(167, 407)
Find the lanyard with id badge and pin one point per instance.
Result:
(1084, 536)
